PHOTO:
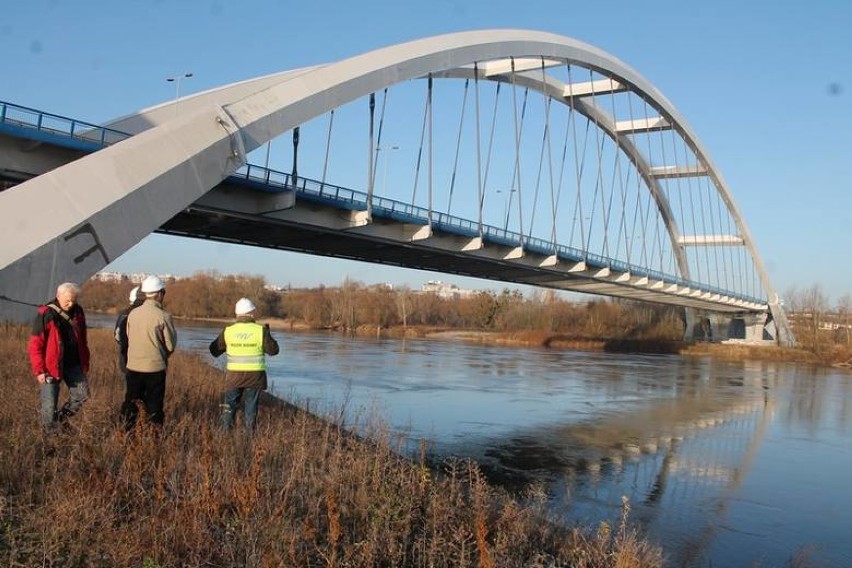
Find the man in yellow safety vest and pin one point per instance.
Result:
(247, 343)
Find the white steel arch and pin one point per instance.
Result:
(141, 182)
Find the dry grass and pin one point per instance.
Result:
(739, 352)
(302, 492)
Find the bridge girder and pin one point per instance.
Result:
(227, 215)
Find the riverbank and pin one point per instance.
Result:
(839, 357)
(304, 491)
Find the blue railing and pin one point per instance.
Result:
(60, 130)
(48, 127)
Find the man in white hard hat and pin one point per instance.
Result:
(59, 353)
(151, 339)
(136, 298)
(247, 343)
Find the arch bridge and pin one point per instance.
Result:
(517, 156)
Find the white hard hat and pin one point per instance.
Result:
(244, 306)
(152, 284)
(134, 294)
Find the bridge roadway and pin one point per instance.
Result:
(261, 207)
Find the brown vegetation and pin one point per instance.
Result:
(354, 307)
(505, 318)
(823, 333)
(302, 492)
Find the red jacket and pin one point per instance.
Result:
(46, 346)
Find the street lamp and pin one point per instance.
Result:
(385, 173)
(176, 79)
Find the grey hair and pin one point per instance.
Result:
(69, 287)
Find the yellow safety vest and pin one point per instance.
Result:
(244, 341)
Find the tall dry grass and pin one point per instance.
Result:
(301, 492)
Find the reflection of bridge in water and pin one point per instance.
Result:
(678, 462)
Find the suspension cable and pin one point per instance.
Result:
(490, 142)
(579, 166)
(666, 190)
(430, 151)
(690, 192)
(458, 147)
(379, 136)
(420, 148)
(657, 242)
(727, 251)
(517, 154)
(638, 212)
(559, 185)
(622, 226)
(479, 187)
(544, 139)
(599, 177)
(710, 215)
(538, 180)
(327, 146)
(371, 150)
(516, 172)
(736, 257)
(547, 105)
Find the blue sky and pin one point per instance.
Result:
(766, 85)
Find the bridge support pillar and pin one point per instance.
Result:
(756, 329)
(748, 328)
(689, 320)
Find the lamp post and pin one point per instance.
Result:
(176, 79)
(385, 167)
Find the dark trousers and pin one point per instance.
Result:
(150, 388)
(232, 401)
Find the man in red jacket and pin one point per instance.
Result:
(59, 352)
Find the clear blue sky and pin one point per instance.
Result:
(765, 84)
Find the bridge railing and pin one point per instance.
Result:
(47, 126)
(86, 136)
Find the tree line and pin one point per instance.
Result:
(820, 327)
(353, 305)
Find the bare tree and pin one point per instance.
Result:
(844, 307)
(403, 304)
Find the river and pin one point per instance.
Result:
(722, 463)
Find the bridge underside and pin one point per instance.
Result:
(231, 217)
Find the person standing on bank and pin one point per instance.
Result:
(59, 352)
(136, 299)
(151, 340)
(247, 343)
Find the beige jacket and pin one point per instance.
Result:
(151, 338)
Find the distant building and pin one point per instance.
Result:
(833, 326)
(109, 277)
(444, 290)
(135, 278)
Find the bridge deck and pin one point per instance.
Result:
(452, 245)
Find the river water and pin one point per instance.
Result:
(722, 463)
